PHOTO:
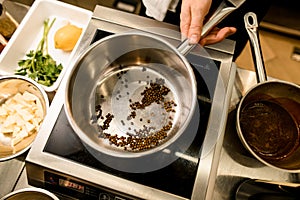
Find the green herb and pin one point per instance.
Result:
(39, 65)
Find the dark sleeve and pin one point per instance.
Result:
(236, 19)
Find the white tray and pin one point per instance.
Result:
(29, 33)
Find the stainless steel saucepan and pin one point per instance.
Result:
(127, 91)
(131, 95)
(268, 116)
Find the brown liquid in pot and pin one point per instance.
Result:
(270, 130)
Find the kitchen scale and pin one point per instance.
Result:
(59, 162)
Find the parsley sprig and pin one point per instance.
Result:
(39, 65)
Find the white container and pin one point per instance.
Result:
(29, 33)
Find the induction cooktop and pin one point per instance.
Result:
(59, 161)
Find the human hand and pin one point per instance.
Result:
(217, 35)
(192, 15)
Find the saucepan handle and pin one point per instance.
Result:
(221, 12)
(251, 26)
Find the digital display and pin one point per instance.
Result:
(71, 185)
(74, 188)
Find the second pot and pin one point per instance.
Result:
(268, 117)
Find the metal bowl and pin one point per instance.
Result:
(9, 86)
(30, 194)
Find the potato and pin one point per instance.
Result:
(66, 37)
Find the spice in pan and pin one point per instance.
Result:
(137, 143)
(108, 118)
(148, 136)
(132, 115)
(107, 121)
(154, 93)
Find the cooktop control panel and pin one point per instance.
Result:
(80, 189)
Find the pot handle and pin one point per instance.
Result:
(251, 26)
(221, 12)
